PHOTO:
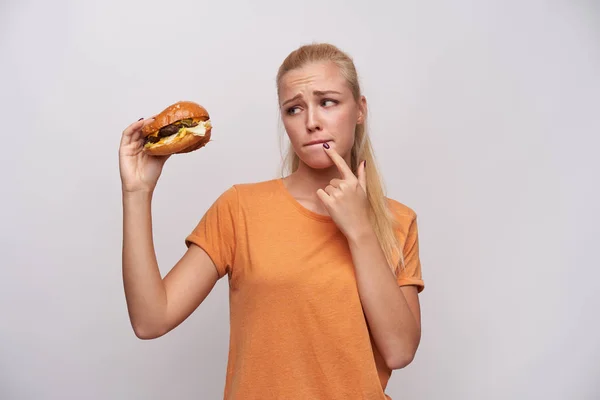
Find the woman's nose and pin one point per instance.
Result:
(313, 121)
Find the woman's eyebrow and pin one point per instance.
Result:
(292, 99)
(324, 92)
(319, 93)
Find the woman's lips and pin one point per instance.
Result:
(316, 142)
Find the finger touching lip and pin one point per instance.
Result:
(318, 143)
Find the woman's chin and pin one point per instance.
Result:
(318, 162)
(316, 157)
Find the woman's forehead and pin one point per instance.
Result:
(321, 76)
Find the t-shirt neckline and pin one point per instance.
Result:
(300, 207)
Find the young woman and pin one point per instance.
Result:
(323, 269)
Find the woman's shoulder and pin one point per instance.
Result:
(405, 218)
(256, 186)
(401, 210)
(243, 194)
(256, 190)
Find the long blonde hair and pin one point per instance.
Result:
(382, 219)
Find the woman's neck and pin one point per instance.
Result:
(304, 183)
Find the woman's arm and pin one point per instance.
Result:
(393, 312)
(157, 305)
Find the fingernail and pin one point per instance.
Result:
(141, 119)
(326, 145)
(365, 163)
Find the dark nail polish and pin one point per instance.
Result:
(365, 163)
(141, 119)
(326, 145)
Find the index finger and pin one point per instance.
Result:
(339, 162)
(134, 128)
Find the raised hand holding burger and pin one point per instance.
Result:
(182, 127)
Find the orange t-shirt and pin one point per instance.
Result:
(297, 328)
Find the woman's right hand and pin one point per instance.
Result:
(139, 171)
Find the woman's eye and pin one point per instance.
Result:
(329, 102)
(291, 110)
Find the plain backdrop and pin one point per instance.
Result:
(485, 117)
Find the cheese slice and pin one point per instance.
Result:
(198, 130)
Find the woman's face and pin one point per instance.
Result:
(317, 106)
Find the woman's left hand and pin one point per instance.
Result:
(346, 198)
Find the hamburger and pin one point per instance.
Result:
(182, 127)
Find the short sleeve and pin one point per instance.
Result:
(216, 231)
(411, 274)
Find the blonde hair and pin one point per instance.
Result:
(382, 219)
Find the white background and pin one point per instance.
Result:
(485, 121)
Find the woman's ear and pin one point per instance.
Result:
(362, 110)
